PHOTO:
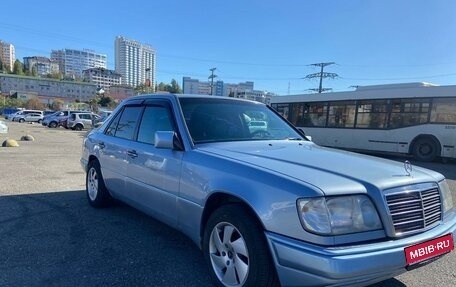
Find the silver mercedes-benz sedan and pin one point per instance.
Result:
(267, 206)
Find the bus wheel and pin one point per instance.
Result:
(425, 149)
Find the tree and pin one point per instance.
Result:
(55, 75)
(34, 71)
(18, 68)
(105, 101)
(162, 87)
(34, 104)
(175, 88)
(171, 88)
(57, 105)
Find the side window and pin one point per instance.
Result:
(124, 123)
(127, 122)
(444, 111)
(342, 114)
(155, 118)
(408, 112)
(111, 130)
(372, 114)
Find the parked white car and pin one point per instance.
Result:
(3, 128)
(32, 117)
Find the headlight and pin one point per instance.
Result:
(447, 199)
(338, 215)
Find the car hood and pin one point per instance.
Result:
(332, 171)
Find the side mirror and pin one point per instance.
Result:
(301, 131)
(167, 140)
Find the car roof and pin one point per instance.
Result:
(181, 96)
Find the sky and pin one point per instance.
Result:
(270, 42)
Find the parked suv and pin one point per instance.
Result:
(80, 121)
(57, 119)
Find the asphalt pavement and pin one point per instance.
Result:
(50, 236)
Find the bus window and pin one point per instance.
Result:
(372, 114)
(408, 112)
(282, 109)
(444, 111)
(342, 114)
(316, 113)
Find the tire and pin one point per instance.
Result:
(52, 124)
(242, 259)
(97, 194)
(78, 127)
(425, 149)
(21, 120)
(40, 121)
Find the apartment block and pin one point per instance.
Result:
(103, 78)
(44, 66)
(7, 54)
(73, 62)
(135, 62)
(47, 89)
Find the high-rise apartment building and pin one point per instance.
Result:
(7, 54)
(73, 62)
(135, 62)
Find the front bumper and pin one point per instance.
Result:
(301, 264)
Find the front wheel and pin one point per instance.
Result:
(97, 194)
(235, 249)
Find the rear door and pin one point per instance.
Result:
(113, 144)
(153, 174)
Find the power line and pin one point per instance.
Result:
(211, 77)
(321, 75)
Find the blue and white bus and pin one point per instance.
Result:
(414, 118)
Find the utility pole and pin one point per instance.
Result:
(321, 75)
(211, 77)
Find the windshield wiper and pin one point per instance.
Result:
(294, 139)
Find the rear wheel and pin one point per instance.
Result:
(235, 249)
(97, 194)
(425, 149)
(52, 124)
(21, 120)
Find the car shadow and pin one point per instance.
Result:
(57, 239)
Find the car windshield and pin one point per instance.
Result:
(221, 120)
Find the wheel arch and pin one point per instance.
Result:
(218, 199)
(426, 136)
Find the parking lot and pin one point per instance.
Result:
(50, 236)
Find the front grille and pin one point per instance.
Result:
(414, 208)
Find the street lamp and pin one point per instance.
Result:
(147, 81)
